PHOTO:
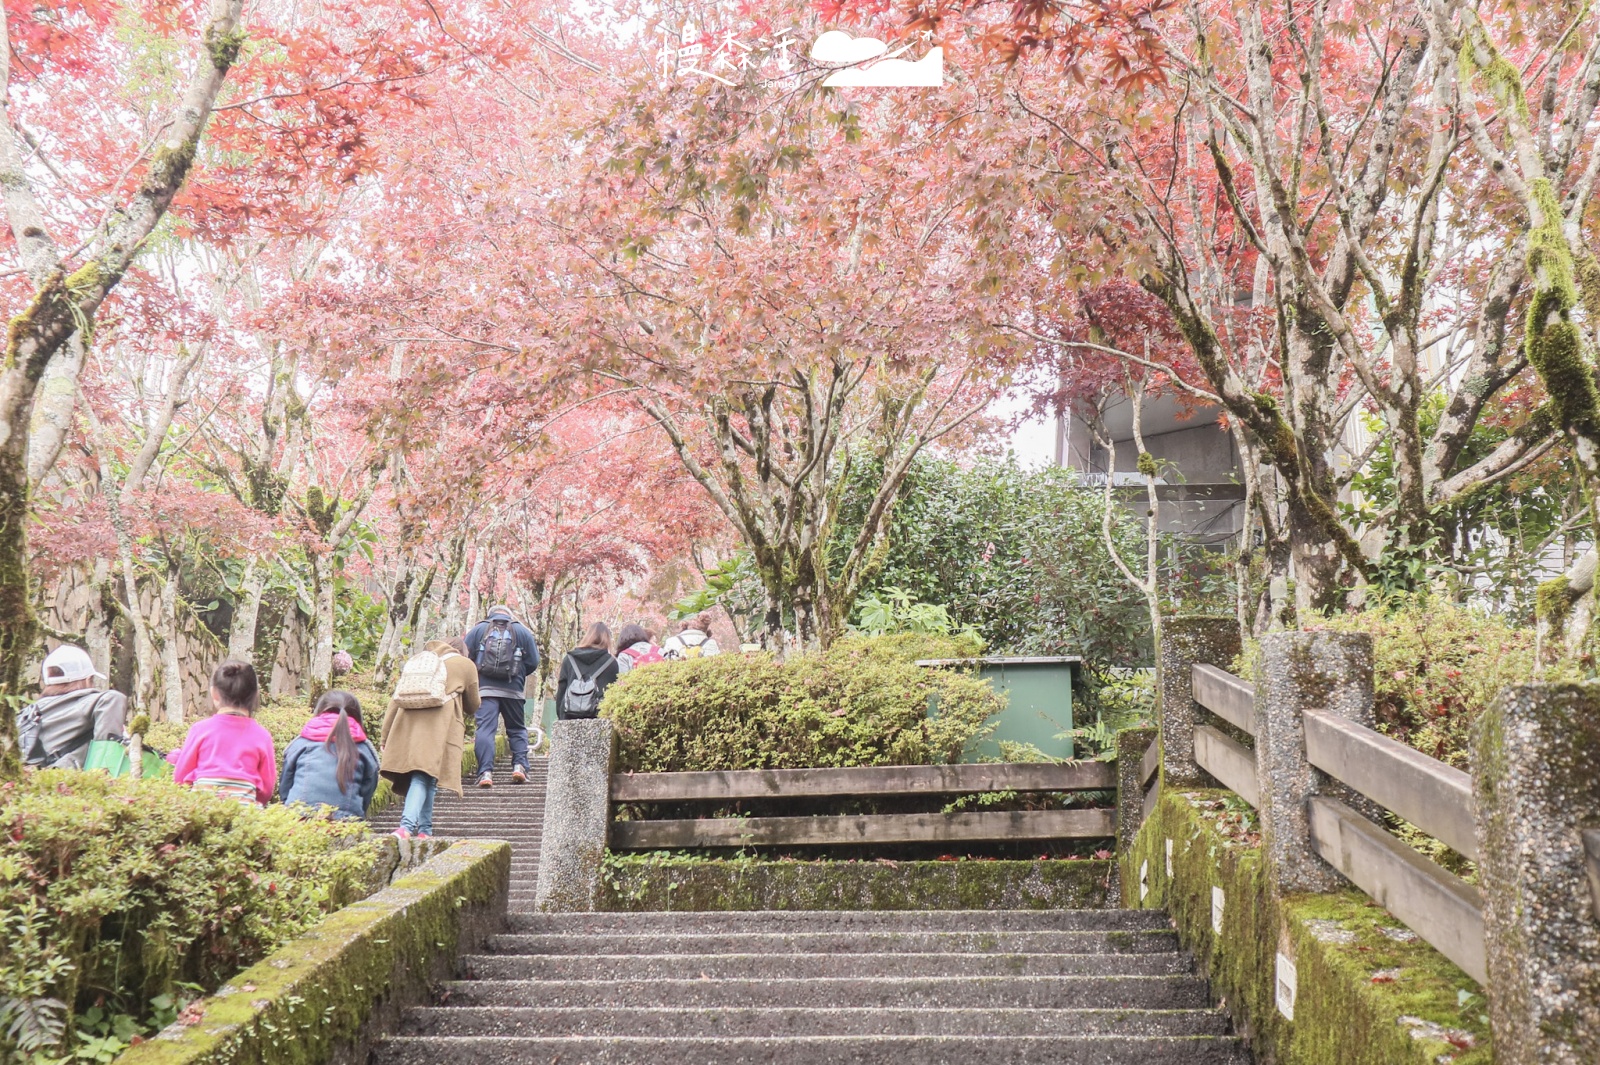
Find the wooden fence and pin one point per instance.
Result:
(865, 782)
(1436, 904)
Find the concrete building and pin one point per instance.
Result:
(1200, 489)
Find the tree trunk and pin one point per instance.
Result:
(171, 667)
(322, 623)
(61, 303)
(102, 616)
(389, 643)
(52, 409)
(247, 612)
(474, 588)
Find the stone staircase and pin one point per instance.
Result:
(512, 812)
(957, 987)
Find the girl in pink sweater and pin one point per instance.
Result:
(229, 752)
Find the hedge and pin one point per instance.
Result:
(121, 899)
(862, 702)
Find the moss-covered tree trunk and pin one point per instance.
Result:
(63, 302)
(1565, 281)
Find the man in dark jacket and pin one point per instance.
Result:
(506, 654)
(71, 713)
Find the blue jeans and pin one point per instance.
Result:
(490, 711)
(417, 814)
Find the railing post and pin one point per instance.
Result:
(577, 815)
(1186, 641)
(1537, 788)
(1300, 671)
(1132, 745)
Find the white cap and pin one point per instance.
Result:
(67, 664)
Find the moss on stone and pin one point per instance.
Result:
(1553, 601)
(321, 997)
(680, 882)
(1338, 942)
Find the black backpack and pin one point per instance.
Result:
(499, 654)
(583, 694)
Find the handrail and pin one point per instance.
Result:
(1435, 797)
(1229, 761)
(862, 780)
(1437, 905)
(1229, 697)
(864, 828)
(1149, 763)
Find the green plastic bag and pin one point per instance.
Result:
(112, 757)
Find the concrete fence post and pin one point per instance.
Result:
(1132, 744)
(1536, 760)
(1187, 641)
(577, 816)
(1300, 671)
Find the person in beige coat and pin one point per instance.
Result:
(422, 748)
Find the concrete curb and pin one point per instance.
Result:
(327, 996)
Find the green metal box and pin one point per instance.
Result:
(1038, 694)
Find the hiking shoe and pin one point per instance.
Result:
(519, 775)
(486, 781)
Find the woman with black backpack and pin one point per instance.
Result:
(586, 672)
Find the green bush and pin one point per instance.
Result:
(862, 702)
(119, 898)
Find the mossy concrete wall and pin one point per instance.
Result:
(1367, 991)
(326, 996)
(652, 882)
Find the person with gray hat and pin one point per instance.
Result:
(505, 653)
(55, 731)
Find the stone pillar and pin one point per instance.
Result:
(1187, 641)
(1536, 758)
(1132, 744)
(577, 815)
(1300, 671)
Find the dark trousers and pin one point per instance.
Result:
(490, 711)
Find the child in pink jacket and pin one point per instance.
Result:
(230, 753)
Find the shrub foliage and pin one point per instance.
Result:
(1436, 667)
(119, 896)
(862, 702)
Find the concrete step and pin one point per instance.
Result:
(1051, 992)
(796, 942)
(812, 966)
(805, 1050)
(853, 921)
(745, 1022)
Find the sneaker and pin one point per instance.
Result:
(486, 781)
(519, 775)
(421, 835)
(403, 834)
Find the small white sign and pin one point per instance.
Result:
(1286, 982)
(1144, 880)
(1217, 901)
(1169, 859)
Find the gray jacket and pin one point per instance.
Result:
(55, 732)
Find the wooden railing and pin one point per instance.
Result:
(1436, 904)
(865, 782)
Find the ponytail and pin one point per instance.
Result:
(341, 740)
(343, 746)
